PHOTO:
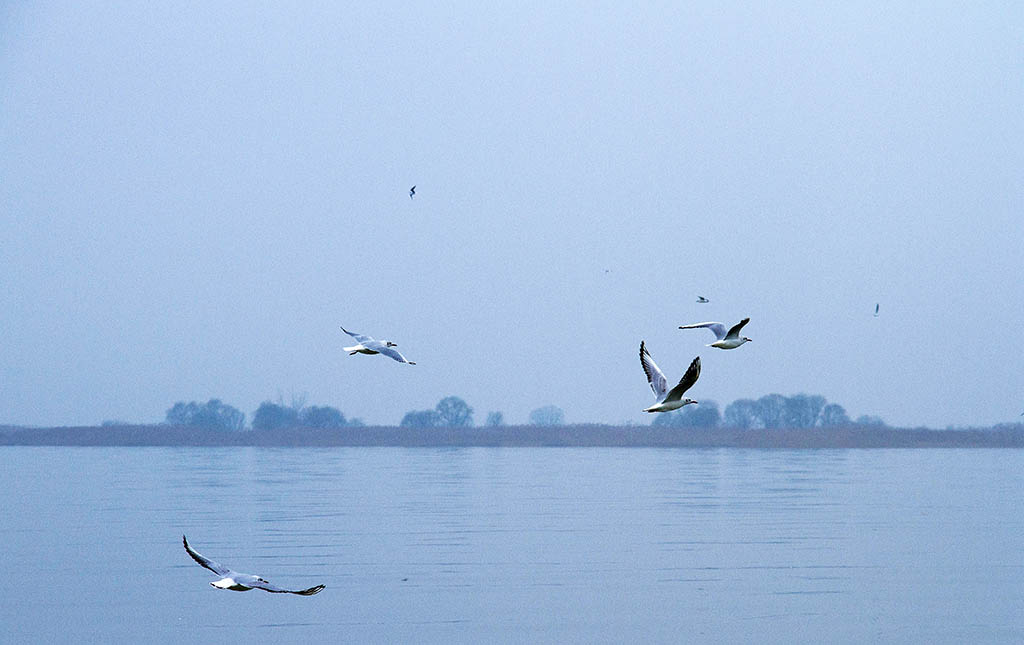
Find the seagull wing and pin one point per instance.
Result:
(204, 561)
(654, 375)
(393, 353)
(266, 586)
(717, 328)
(360, 337)
(735, 331)
(686, 382)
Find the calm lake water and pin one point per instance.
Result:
(514, 545)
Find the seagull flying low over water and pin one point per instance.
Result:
(726, 340)
(702, 299)
(235, 581)
(673, 399)
(368, 345)
(412, 192)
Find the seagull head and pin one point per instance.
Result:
(687, 401)
(390, 344)
(747, 340)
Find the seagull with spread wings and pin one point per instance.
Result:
(234, 581)
(671, 399)
(702, 300)
(368, 345)
(726, 339)
(412, 192)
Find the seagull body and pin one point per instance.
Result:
(730, 339)
(667, 400)
(702, 299)
(235, 581)
(368, 345)
(412, 192)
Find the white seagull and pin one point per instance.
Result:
(235, 581)
(412, 192)
(726, 340)
(702, 299)
(368, 345)
(673, 399)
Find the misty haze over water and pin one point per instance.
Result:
(195, 198)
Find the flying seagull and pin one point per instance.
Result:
(876, 310)
(368, 345)
(241, 581)
(726, 340)
(412, 192)
(702, 299)
(674, 399)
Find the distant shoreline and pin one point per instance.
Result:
(584, 435)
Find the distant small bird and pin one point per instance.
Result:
(702, 299)
(673, 399)
(412, 192)
(367, 345)
(235, 581)
(726, 340)
(876, 310)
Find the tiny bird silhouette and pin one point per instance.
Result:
(876, 310)
(412, 192)
(702, 299)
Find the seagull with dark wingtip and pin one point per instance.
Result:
(368, 345)
(673, 399)
(412, 192)
(235, 581)
(726, 339)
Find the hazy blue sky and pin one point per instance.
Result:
(193, 198)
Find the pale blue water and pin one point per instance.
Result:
(514, 545)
